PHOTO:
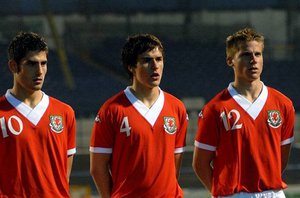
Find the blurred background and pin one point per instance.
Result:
(86, 36)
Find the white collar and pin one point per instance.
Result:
(150, 114)
(33, 115)
(253, 109)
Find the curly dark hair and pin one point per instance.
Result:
(136, 45)
(23, 43)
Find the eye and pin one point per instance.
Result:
(245, 54)
(44, 63)
(147, 60)
(258, 54)
(159, 59)
(31, 63)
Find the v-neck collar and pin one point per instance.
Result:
(253, 109)
(35, 114)
(150, 114)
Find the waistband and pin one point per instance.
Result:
(264, 194)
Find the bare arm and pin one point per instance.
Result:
(70, 162)
(178, 160)
(285, 154)
(202, 166)
(99, 169)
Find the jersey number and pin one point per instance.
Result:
(10, 126)
(125, 126)
(229, 116)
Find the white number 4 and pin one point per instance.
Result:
(125, 126)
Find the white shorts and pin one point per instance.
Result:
(264, 194)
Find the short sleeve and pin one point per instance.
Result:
(181, 134)
(102, 133)
(71, 123)
(287, 135)
(207, 130)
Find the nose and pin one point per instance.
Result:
(39, 68)
(155, 64)
(253, 59)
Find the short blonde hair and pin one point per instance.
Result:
(234, 41)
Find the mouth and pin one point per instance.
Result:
(253, 69)
(155, 76)
(38, 80)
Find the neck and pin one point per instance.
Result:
(29, 98)
(147, 96)
(250, 91)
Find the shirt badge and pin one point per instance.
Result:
(56, 124)
(170, 125)
(274, 118)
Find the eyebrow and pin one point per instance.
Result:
(34, 62)
(150, 57)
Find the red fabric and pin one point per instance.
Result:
(143, 163)
(34, 162)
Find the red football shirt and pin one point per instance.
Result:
(142, 142)
(247, 138)
(34, 147)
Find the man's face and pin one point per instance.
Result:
(32, 71)
(149, 69)
(247, 62)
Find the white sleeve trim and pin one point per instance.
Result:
(179, 150)
(287, 141)
(71, 151)
(100, 150)
(205, 146)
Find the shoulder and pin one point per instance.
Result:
(59, 104)
(219, 98)
(276, 95)
(117, 100)
(169, 98)
(3, 102)
(2, 99)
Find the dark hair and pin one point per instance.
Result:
(136, 45)
(234, 41)
(23, 43)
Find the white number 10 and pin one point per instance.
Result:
(10, 127)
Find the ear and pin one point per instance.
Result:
(229, 61)
(13, 66)
(129, 68)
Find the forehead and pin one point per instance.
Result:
(36, 55)
(155, 52)
(250, 45)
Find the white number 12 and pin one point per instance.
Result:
(229, 116)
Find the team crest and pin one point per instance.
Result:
(56, 124)
(170, 125)
(274, 118)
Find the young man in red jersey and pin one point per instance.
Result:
(37, 132)
(245, 132)
(139, 134)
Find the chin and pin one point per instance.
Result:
(154, 85)
(37, 88)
